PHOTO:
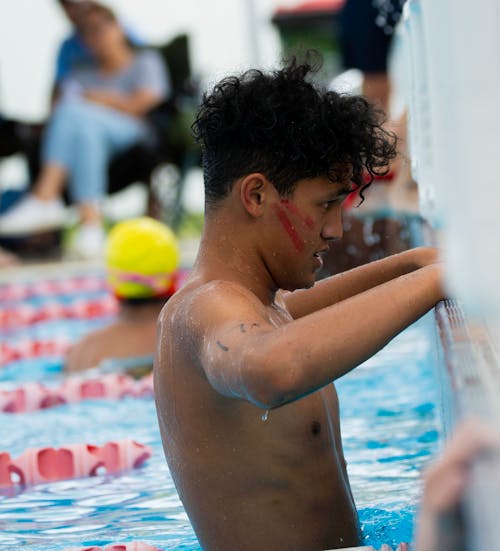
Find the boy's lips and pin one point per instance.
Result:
(322, 251)
(318, 258)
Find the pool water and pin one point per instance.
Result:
(389, 423)
(391, 429)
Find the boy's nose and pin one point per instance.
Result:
(333, 228)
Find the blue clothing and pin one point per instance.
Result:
(72, 53)
(82, 137)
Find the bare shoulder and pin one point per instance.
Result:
(199, 307)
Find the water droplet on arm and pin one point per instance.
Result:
(265, 415)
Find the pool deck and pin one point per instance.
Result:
(26, 271)
(54, 268)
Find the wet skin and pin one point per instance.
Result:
(250, 483)
(232, 346)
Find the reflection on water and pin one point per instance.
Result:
(389, 430)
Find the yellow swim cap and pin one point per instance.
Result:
(142, 256)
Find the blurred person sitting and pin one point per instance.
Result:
(73, 51)
(17, 136)
(142, 258)
(101, 111)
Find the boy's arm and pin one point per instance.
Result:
(347, 284)
(245, 356)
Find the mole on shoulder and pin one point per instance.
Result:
(315, 427)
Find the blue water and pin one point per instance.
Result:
(389, 430)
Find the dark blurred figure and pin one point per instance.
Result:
(366, 30)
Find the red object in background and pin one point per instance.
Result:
(312, 6)
(16, 316)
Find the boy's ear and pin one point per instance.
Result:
(255, 192)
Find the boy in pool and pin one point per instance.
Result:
(142, 258)
(249, 347)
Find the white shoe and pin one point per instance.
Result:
(88, 242)
(32, 215)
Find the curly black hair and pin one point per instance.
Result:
(282, 125)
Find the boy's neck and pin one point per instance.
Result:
(228, 252)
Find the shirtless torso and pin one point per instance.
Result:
(250, 479)
(232, 346)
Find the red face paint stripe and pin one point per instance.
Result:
(290, 230)
(307, 220)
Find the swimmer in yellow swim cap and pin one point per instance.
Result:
(142, 260)
(142, 256)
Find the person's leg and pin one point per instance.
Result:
(50, 182)
(78, 143)
(102, 133)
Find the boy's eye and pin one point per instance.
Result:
(328, 204)
(338, 200)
